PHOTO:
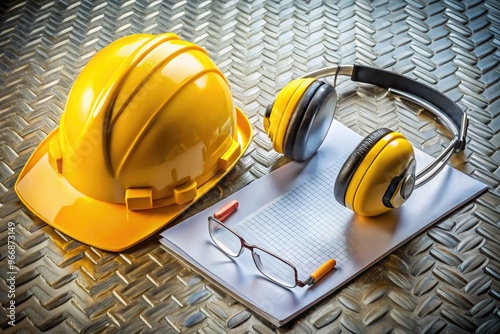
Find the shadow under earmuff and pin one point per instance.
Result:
(366, 236)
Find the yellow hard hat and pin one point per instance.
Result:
(149, 127)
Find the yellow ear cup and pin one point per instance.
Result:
(282, 110)
(381, 157)
(351, 164)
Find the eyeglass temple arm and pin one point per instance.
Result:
(319, 273)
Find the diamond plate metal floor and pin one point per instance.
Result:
(445, 280)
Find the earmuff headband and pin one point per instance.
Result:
(454, 118)
(426, 94)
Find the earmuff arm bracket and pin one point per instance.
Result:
(427, 173)
(345, 70)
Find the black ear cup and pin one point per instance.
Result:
(353, 161)
(310, 122)
(296, 119)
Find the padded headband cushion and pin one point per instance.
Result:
(386, 79)
(296, 118)
(354, 160)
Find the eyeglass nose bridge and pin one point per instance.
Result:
(255, 257)
(246, 245)
(243, 245)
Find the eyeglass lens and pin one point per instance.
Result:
(226, 240)
(274, 268)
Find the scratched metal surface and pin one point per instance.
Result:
(446, 279)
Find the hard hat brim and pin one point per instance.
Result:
(104, 225)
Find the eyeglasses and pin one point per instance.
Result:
(275, 268)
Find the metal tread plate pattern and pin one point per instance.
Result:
(446, 279)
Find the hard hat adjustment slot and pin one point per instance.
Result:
(142, 198)
(139, 198)
(186, 192)
(229, 157)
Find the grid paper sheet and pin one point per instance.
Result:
(305, 226)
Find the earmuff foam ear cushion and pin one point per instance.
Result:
(354, 160)
(315, 123)
(296, 118)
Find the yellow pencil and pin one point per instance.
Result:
(321, 271)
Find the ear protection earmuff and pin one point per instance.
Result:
(300, 117)
(379, 174)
